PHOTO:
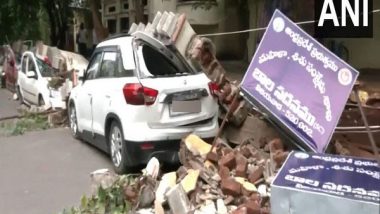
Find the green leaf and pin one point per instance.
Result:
(83, 202)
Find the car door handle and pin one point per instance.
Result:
(108, 96)
(89, 95)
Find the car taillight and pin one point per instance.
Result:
(213, 88)
(136, 94)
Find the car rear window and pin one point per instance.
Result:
(155, 64)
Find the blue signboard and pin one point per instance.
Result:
(339, 184)
(300, 83)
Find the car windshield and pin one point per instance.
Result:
(153, 63)
(45, 69)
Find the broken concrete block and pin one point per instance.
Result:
(158, 209)
(228, 161)
(102, 177)
(153, 168)
(197, 146)
(190, 181)
(247, 186)
(262, 190)
(221, 207)
(167, 182)
(231, 187)
(256, 174)
(146, 197)
(208, 207)
(210, 166)
(178, 201)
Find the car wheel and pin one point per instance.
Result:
(3, 82)
(73, 121)
(41, 101)
(19, 95)
(118, 148)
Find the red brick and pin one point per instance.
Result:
(276, 144)
(213, 157)
(228, 161)
(246, 152)
(256, 174)
(224, 172)
(252, 207)
(226, 150)
(240, 210)
(255, 197)
(231, 187)
(279, 157)
(265, 210)
(241, 166)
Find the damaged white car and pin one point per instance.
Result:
(33, 83)
(138, 99)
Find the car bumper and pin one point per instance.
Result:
(142, 132)
(139, 153)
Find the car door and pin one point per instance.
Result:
(32, 82)
(28, 85)
(111, 80)
(85, 95)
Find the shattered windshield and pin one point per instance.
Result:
(153, 63)
(45, 69)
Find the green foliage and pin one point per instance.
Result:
(19, 19)
(106, 201)
(29, 122)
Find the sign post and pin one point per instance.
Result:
(299, 83)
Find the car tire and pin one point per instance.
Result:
(118, 149)
(3, 82)
(19, 95)
(73, 121)
(41, 101)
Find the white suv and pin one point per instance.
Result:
(138, 99)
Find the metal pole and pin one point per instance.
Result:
(370, 135)
(225, 120)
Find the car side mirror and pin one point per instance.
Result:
(31, 74)
(11, 63)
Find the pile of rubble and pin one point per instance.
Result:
(217, 179)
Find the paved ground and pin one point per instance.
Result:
(43, 172)
(8, 107)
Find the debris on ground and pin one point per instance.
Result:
(211, 180)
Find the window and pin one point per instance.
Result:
(126, 6)
(111, 24)
(124, 24)
(111, 9)
(93, 69)
(153, 63)
(112, 66)
(24, 64)
(45, 69)
(31, 66)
